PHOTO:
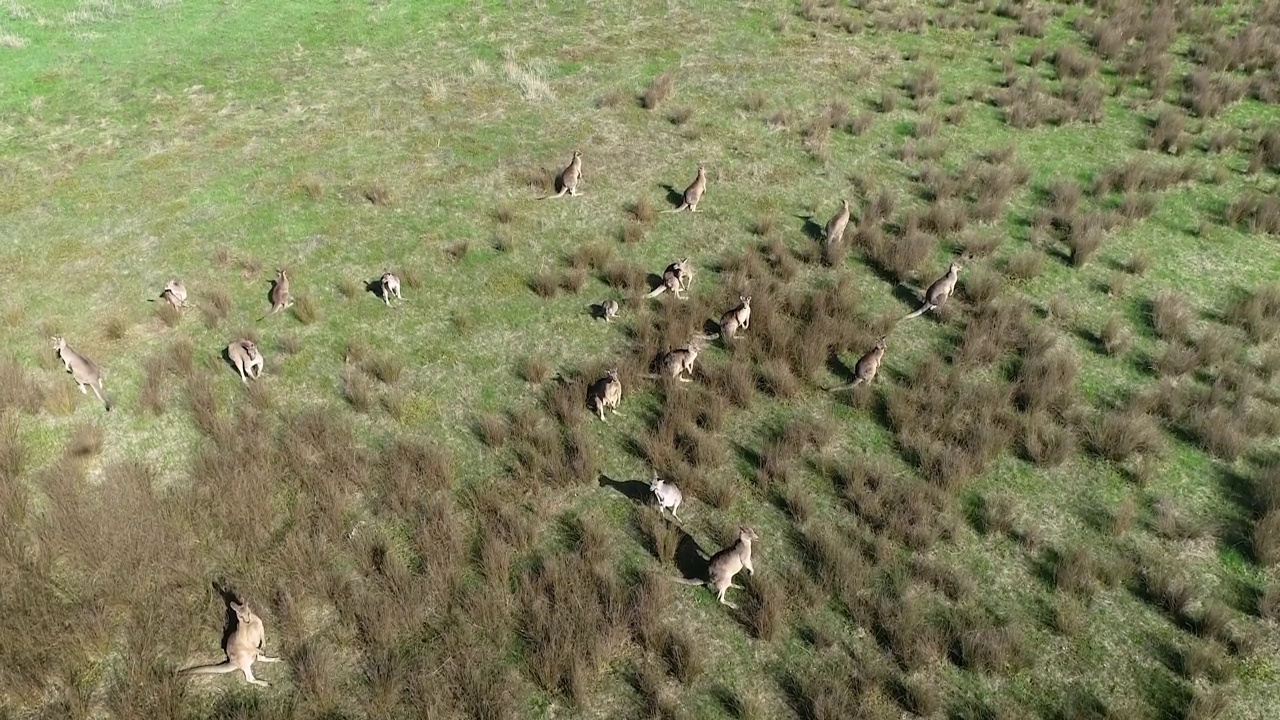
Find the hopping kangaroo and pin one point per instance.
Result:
(836, 225)
(669, 496)
(726, 563)
(246, 359)
(605, 393)
(675, 363)
(867, 367)
(280, 298)
(739, 318)
(569, 177)
(939, 291)
(174, 293)
(390, 287)
(244, 646)
(675, 280)
(82, 369)
(693, 193)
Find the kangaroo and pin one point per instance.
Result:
(82, 369)
(867, 367)
(726, 563)
(609, 308)
(738, 318)
(669, 496)
(246, 358)
(605, 393)
(675, 280)
(569, 177)
(675, 363)
(244, 646)
(390, 287)
(280, 298)
(939, 291)
(836, 225)
(693, 193)
(174, 293)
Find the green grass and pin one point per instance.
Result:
(215, 143)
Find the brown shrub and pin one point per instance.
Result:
(1069, 62)
(168, 314)
(305, 309)
(493, 430)
(923, 84)
(986, 644)
(357, 390)
(1084, 235)
(1045, 441)
(215, 306)
(385, 368)
(19, 388)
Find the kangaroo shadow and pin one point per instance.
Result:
(374, 287)
(692, 562)
(811, 228)
(633, 490)
(271, 292)
(905, 295)
(226, 358)
(840, 369)
(675, 198)
(653, 280)
(230, 620)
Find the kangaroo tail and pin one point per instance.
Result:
(224, 667)
(689, 581)
(923, 309)
(97, 390)
(657, 291)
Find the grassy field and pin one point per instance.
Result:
(1059, 499)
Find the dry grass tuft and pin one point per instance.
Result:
(215, 307)
(85, 441)
(658, 91)
(305, 309)
(377, 193)
(535, 370)
(1172, 316)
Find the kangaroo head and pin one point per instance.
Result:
(243, 613)
(172, 285)
(250, 348)
(577, 154)
(745, 300)
(844, 204)
(613, 373)
(746, 534)
(702, 169)
(656, 483)
(882, 343)
(280, 274)
(58, 343)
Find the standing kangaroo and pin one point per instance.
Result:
(605, 393)
(693, 193)
(836, 225)
(867, 367)
(390, 287)
(246, 359)
(738, 318)
(676, 280)
(244, 646)
(280, 298)
(82, 369)
(668, 495)
(568, 178)
(726, 563)
(939, 291)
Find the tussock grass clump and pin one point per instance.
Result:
(377, 193)
(19, 388)
(385, 368)
(85, 441)
(1163, 587)
(985, 643)
(642, 211)
(1083, 236)
(168, 314)
(1045, 441)
(545, 283)
(566, 625)
(493, 430)
(305, 309)
(349, 288)
(1123, 434)
(1070, 616)
(1257, 313)
(457, 250)
(1172, 316)
(658, 91)
(923, 85)
(215, 308)
(1167, 132)
(1069, 62)
(1075, 571)
(1025, 264)
(1115, 336)
(683, 657)
(356, 390)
